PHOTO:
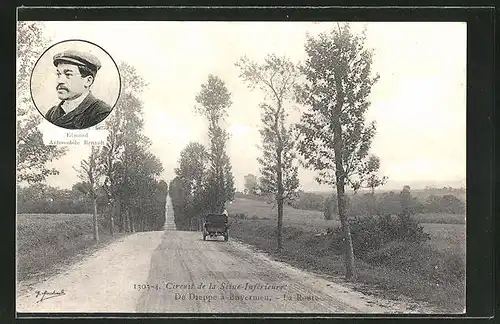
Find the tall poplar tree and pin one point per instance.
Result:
(276, 79)
(213, 101)
(334, 138)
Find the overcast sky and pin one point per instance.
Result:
(419, 103)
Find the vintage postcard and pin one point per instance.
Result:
(217, 167)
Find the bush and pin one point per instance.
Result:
(371, 233)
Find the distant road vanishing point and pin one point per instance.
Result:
(169, 216)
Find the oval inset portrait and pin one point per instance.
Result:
(75, 84)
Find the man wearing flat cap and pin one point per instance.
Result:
(78, 109)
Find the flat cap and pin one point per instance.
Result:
(78, 58)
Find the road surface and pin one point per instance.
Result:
(102, 282)
(177, 272)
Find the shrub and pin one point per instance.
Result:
(408, 229)
(371, 233)
(387, 254)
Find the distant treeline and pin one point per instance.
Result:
(430, 200)
(42, 199)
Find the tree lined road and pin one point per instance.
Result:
(177, 272)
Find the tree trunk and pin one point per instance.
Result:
(128, 226)
(112, 225)
(124, 220)
(338, 147)
(340, 182)
(94, 218)
(111, 217)
(119, 214)
(348, 248)
(133, 220)
(279, 199)
(280, 223)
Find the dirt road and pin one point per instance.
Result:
(178, 272)
(196, 276)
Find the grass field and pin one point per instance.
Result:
(45, 241)
(432, 272)
(263, 210)
(446, 237)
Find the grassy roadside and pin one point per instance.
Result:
(420, 272)
(46, 242)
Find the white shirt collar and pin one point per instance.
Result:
(70, 105)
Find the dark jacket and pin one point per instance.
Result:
(89, 112)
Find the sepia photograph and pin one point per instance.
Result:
(246, 168)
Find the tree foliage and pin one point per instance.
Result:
(447, 203)
(337, 88)
(251, 184)
(179, 194)
(193, 164)
(39, 198)
(278, 162)
(32, 154)
(334, 138)
(130, 170)
(213, 101)
(90, 174)
(276, 79)
(191, 198)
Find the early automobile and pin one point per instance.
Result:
(215, 225)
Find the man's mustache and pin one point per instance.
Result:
(61, 87)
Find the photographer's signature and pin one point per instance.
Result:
(48, 294)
